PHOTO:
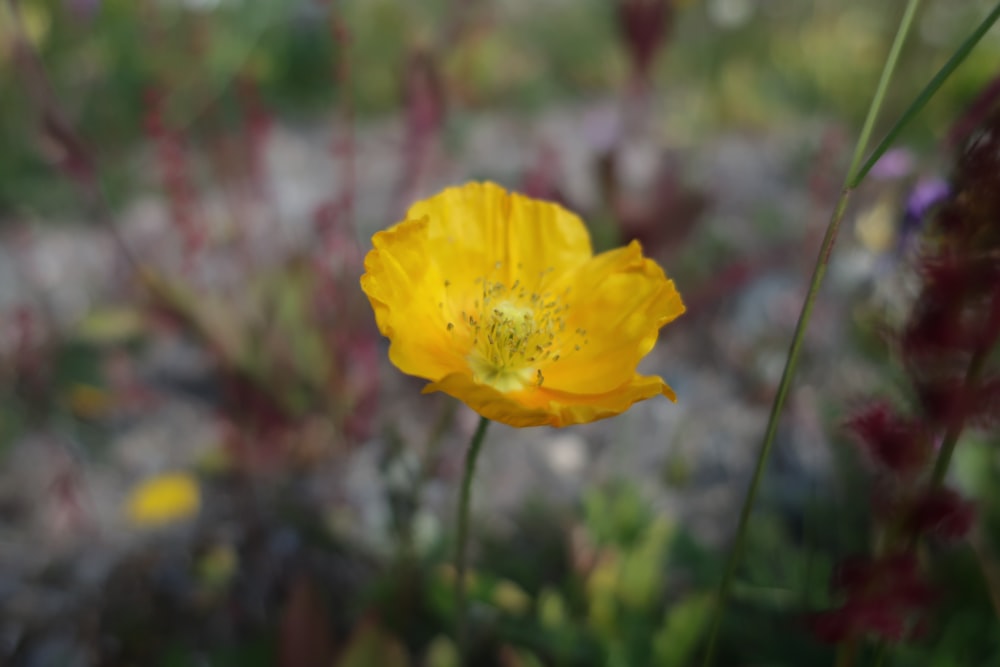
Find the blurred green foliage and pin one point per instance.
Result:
(734, 63)
(613, 583)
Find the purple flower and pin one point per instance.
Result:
(925, 195)
(893, 165)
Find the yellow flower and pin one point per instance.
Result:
(499, 301)
(164, 499)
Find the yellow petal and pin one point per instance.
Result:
(489, 402)
(619, 302)
(406, 289)
(424, 272)
(164, 499)
(474, 226)
(571, 408)
(538, 406)
(90, 402)
(497, 300)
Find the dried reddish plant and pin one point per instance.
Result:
(256, 124)
(254, 359)
(885, 598)
(645, 26)
(175, 172)
(424, 113)
(945, 347)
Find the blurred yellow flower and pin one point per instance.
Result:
(164, 499)
(499, 301)
(511, 598)
(89, 402)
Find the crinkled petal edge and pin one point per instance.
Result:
(543, 407)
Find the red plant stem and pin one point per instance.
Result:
(174, 173)
(344, 145)
(256, 129)
(423, 98)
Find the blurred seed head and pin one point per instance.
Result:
(884, 597)
(894, 443)
(942, 513)
(645, 26)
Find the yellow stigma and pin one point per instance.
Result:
(515, 333)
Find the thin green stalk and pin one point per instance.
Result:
(846, 654)
(881, 655)
(791, 362)
(927, 93)
(883, 86)
(955, 429)
(463, 530)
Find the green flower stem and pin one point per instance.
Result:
(463, 531)
(927, 93)
(846, 654)
(955, 430)
(881, 654)
(819, 271)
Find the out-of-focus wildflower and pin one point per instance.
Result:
(876, 226)
(926, 194)
(511, 598)
(217, 566)
(948, 347)
(552, 611)
(885, 598)
(896, 164)
(645, 25)
(602, 588)
(425, 107)
(640, 574)
(901, 446)
(942, 513)
(442, 653)
(164, 499)
(90, 402)
(35, 21)
(498, 300)
(175, 171)
(924, 197)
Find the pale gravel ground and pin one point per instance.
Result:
(718, 364)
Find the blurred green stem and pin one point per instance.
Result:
(846, 654)
(819, 271)
(927, 93)
(955, 429)
(463, 532)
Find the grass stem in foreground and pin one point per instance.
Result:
(463, 533)
(791, 362)
(927, 93)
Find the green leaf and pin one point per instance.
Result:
(442, 653)
(111, 325)
(371, 646)
(640, 575)
(682, 629)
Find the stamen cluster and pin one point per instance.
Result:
(516, 331)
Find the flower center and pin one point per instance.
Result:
(514, 333)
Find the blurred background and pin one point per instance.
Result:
(205, 456)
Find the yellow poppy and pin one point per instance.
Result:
(164, 499)
(499, 301)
